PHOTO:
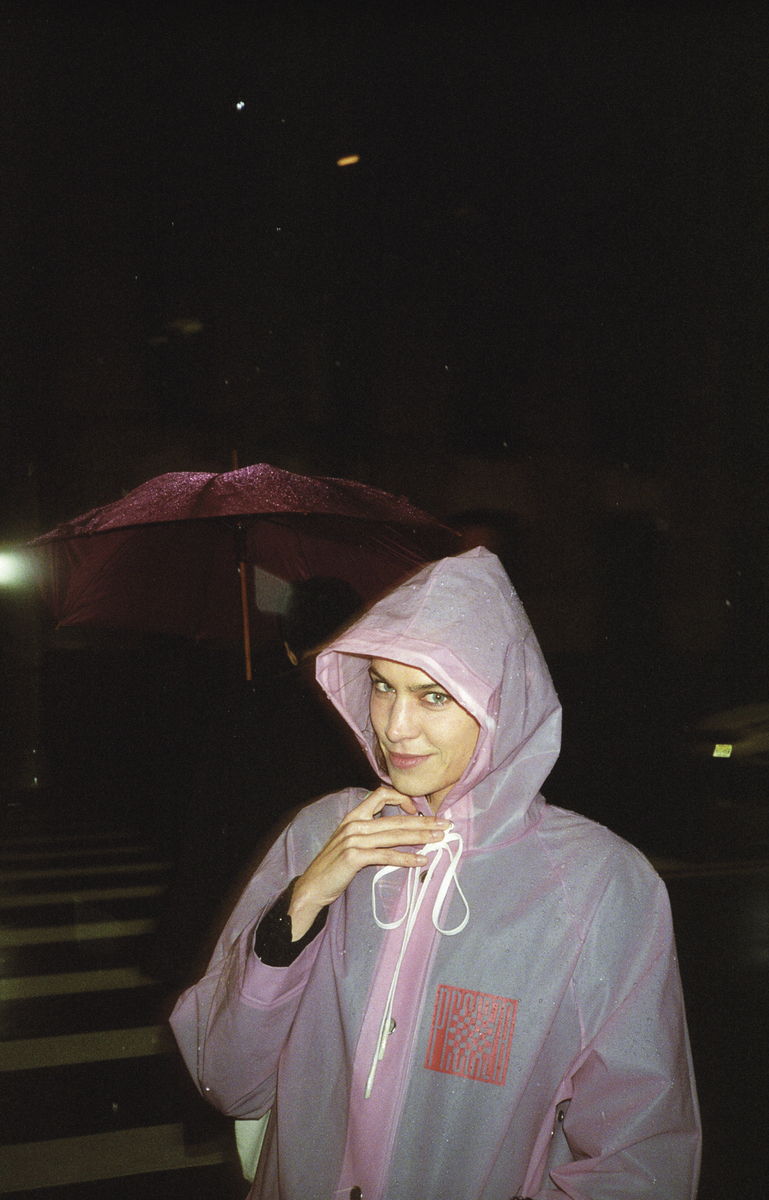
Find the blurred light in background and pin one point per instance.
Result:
(15, 569)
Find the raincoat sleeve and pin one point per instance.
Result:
(627, 1124)
(233, 1024)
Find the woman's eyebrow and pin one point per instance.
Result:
(431, 686)
(376, 677)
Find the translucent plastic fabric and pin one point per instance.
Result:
(540, 1051)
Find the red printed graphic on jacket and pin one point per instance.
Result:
(471, 1034)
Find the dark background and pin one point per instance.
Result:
(537, 306)
(537, 303)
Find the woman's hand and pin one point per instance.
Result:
(361, 841)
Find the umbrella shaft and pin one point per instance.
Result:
(246, 627)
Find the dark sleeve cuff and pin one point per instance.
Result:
(272, 938)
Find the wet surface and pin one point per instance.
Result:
(94, 1099)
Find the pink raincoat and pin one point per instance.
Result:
(505, 1023)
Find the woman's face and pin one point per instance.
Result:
(427, 739)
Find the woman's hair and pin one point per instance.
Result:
(379, 757)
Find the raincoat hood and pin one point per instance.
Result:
(460, 621)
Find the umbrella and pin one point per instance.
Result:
(173, 556)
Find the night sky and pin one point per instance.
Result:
(555, 237)
(542, 288)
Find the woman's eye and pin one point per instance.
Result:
(436, 698)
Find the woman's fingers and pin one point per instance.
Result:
(393, 831)
(376, 801)
(360, 843)
(362, 839)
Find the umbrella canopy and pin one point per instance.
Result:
(166, 557)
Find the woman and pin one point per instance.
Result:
(448, 989)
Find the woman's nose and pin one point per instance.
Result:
(400, 722)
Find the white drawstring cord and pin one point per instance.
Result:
(416, 888)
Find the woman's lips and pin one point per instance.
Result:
(402, 762)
